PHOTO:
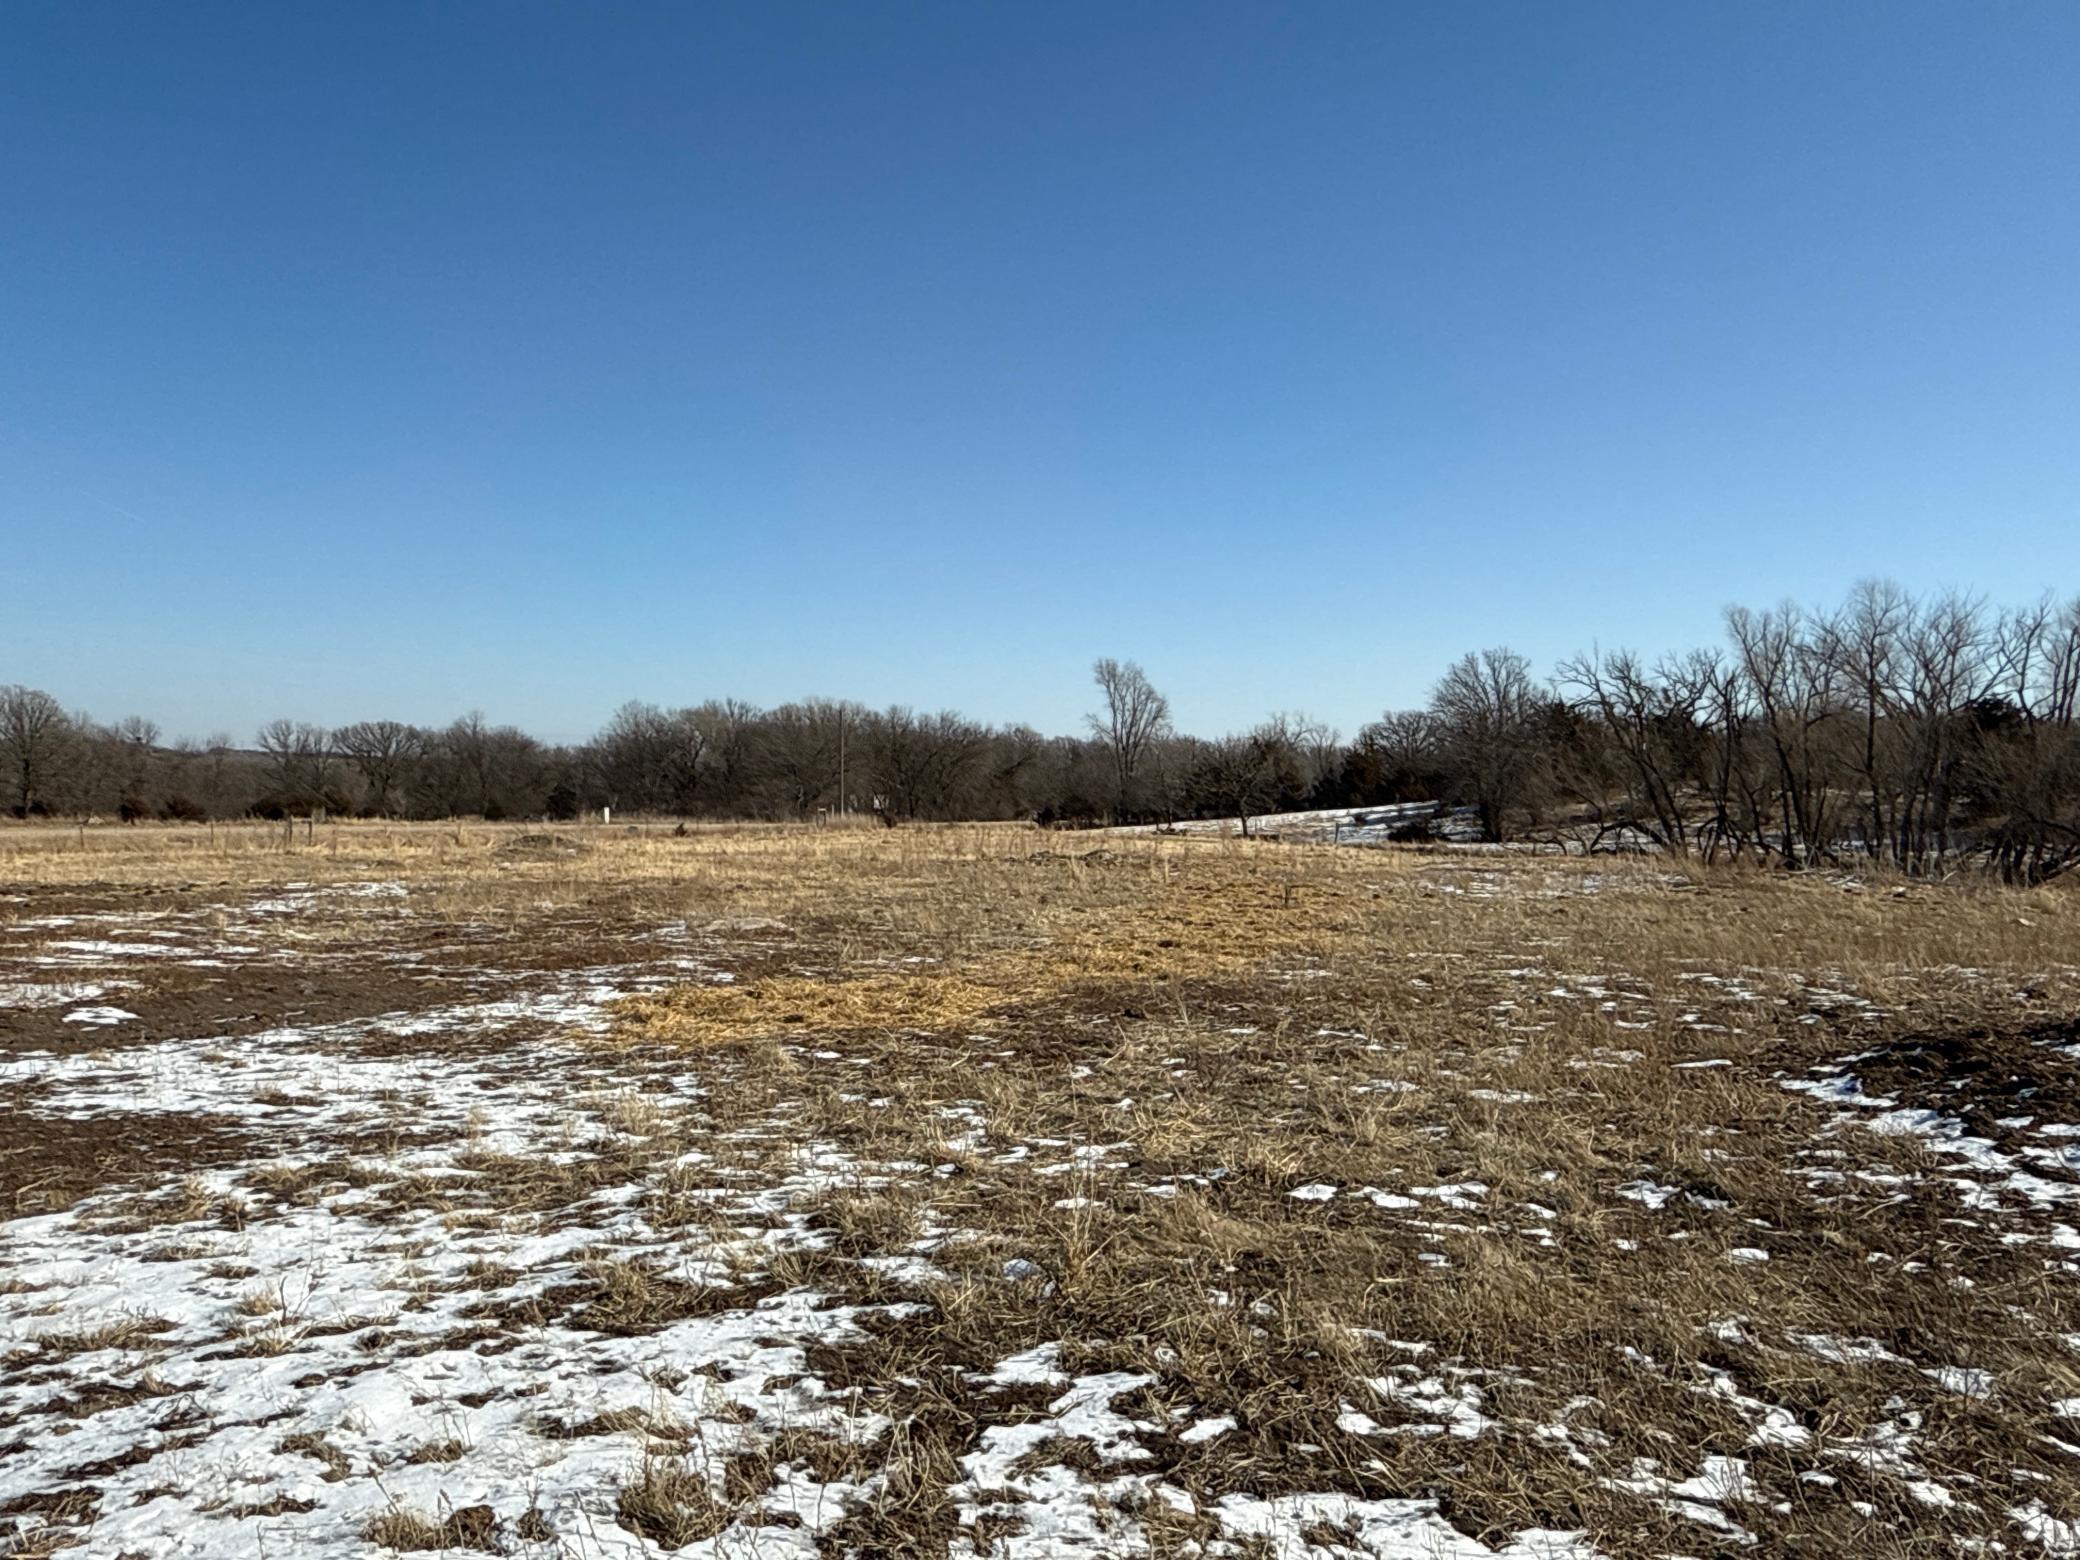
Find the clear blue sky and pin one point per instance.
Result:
(361, 359)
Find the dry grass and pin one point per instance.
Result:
(472, 1527)
(711, 1015)
(1073, 1097)
(1241, 1036)
(134, 1331)
(342, 850)
(672, 1503)
(316, 1447)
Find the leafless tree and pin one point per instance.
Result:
(1014, 784)
(1134, 718)
(1912, 731)
(299, 762)
(1949, 674)
(467, 747)
(224, 795)
(1486, 708)
(1317, 748)
(1244, 775)
(732, 729)
(382, 752)
(1799, 713)
(688, 738)
(629, 757)
(137, 733)
(490, 771)
(1649, 721)
(805, 745)
(130, 752)
(1864, 641)
(35, 737)
(2026, 761)
(921, 764)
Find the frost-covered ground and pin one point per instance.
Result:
(1428, 1247)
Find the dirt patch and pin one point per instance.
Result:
(542, 847)
(187, 1004)
(1984, 1077)
(47, 1163)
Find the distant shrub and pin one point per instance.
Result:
(277, 805)
(184, 809)
(132, 809)
(1071, 812)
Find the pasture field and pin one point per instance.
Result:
(983, 1191)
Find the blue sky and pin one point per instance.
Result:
(369, 359)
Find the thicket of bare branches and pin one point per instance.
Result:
(1921, 733)
(1918, 733)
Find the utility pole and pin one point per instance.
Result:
(841, 760)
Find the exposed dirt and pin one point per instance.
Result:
(184, 1003)
(1985, 1077)
(49, 1163)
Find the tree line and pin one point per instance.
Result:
(1924, 733)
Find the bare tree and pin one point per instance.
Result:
(224, 795)
(1317, 748)
(1397, 758)
(732, 728)
(1649, 722)
(687, 738)
(1799, 708)
(1950, 676)
(1486, 708)
(467, 746)
(1919, 732)
(1016, 784)
(2026, 762)
(629, 756)
(299, 763)
(1244, 775)
(1911, 731)
(1134, 718)
(35, 736)
(382, 753)
(1864, 641)
(805, 745)
(922, 764)
(133, 750)
(490, 771)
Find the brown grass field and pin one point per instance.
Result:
(767, 1191)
